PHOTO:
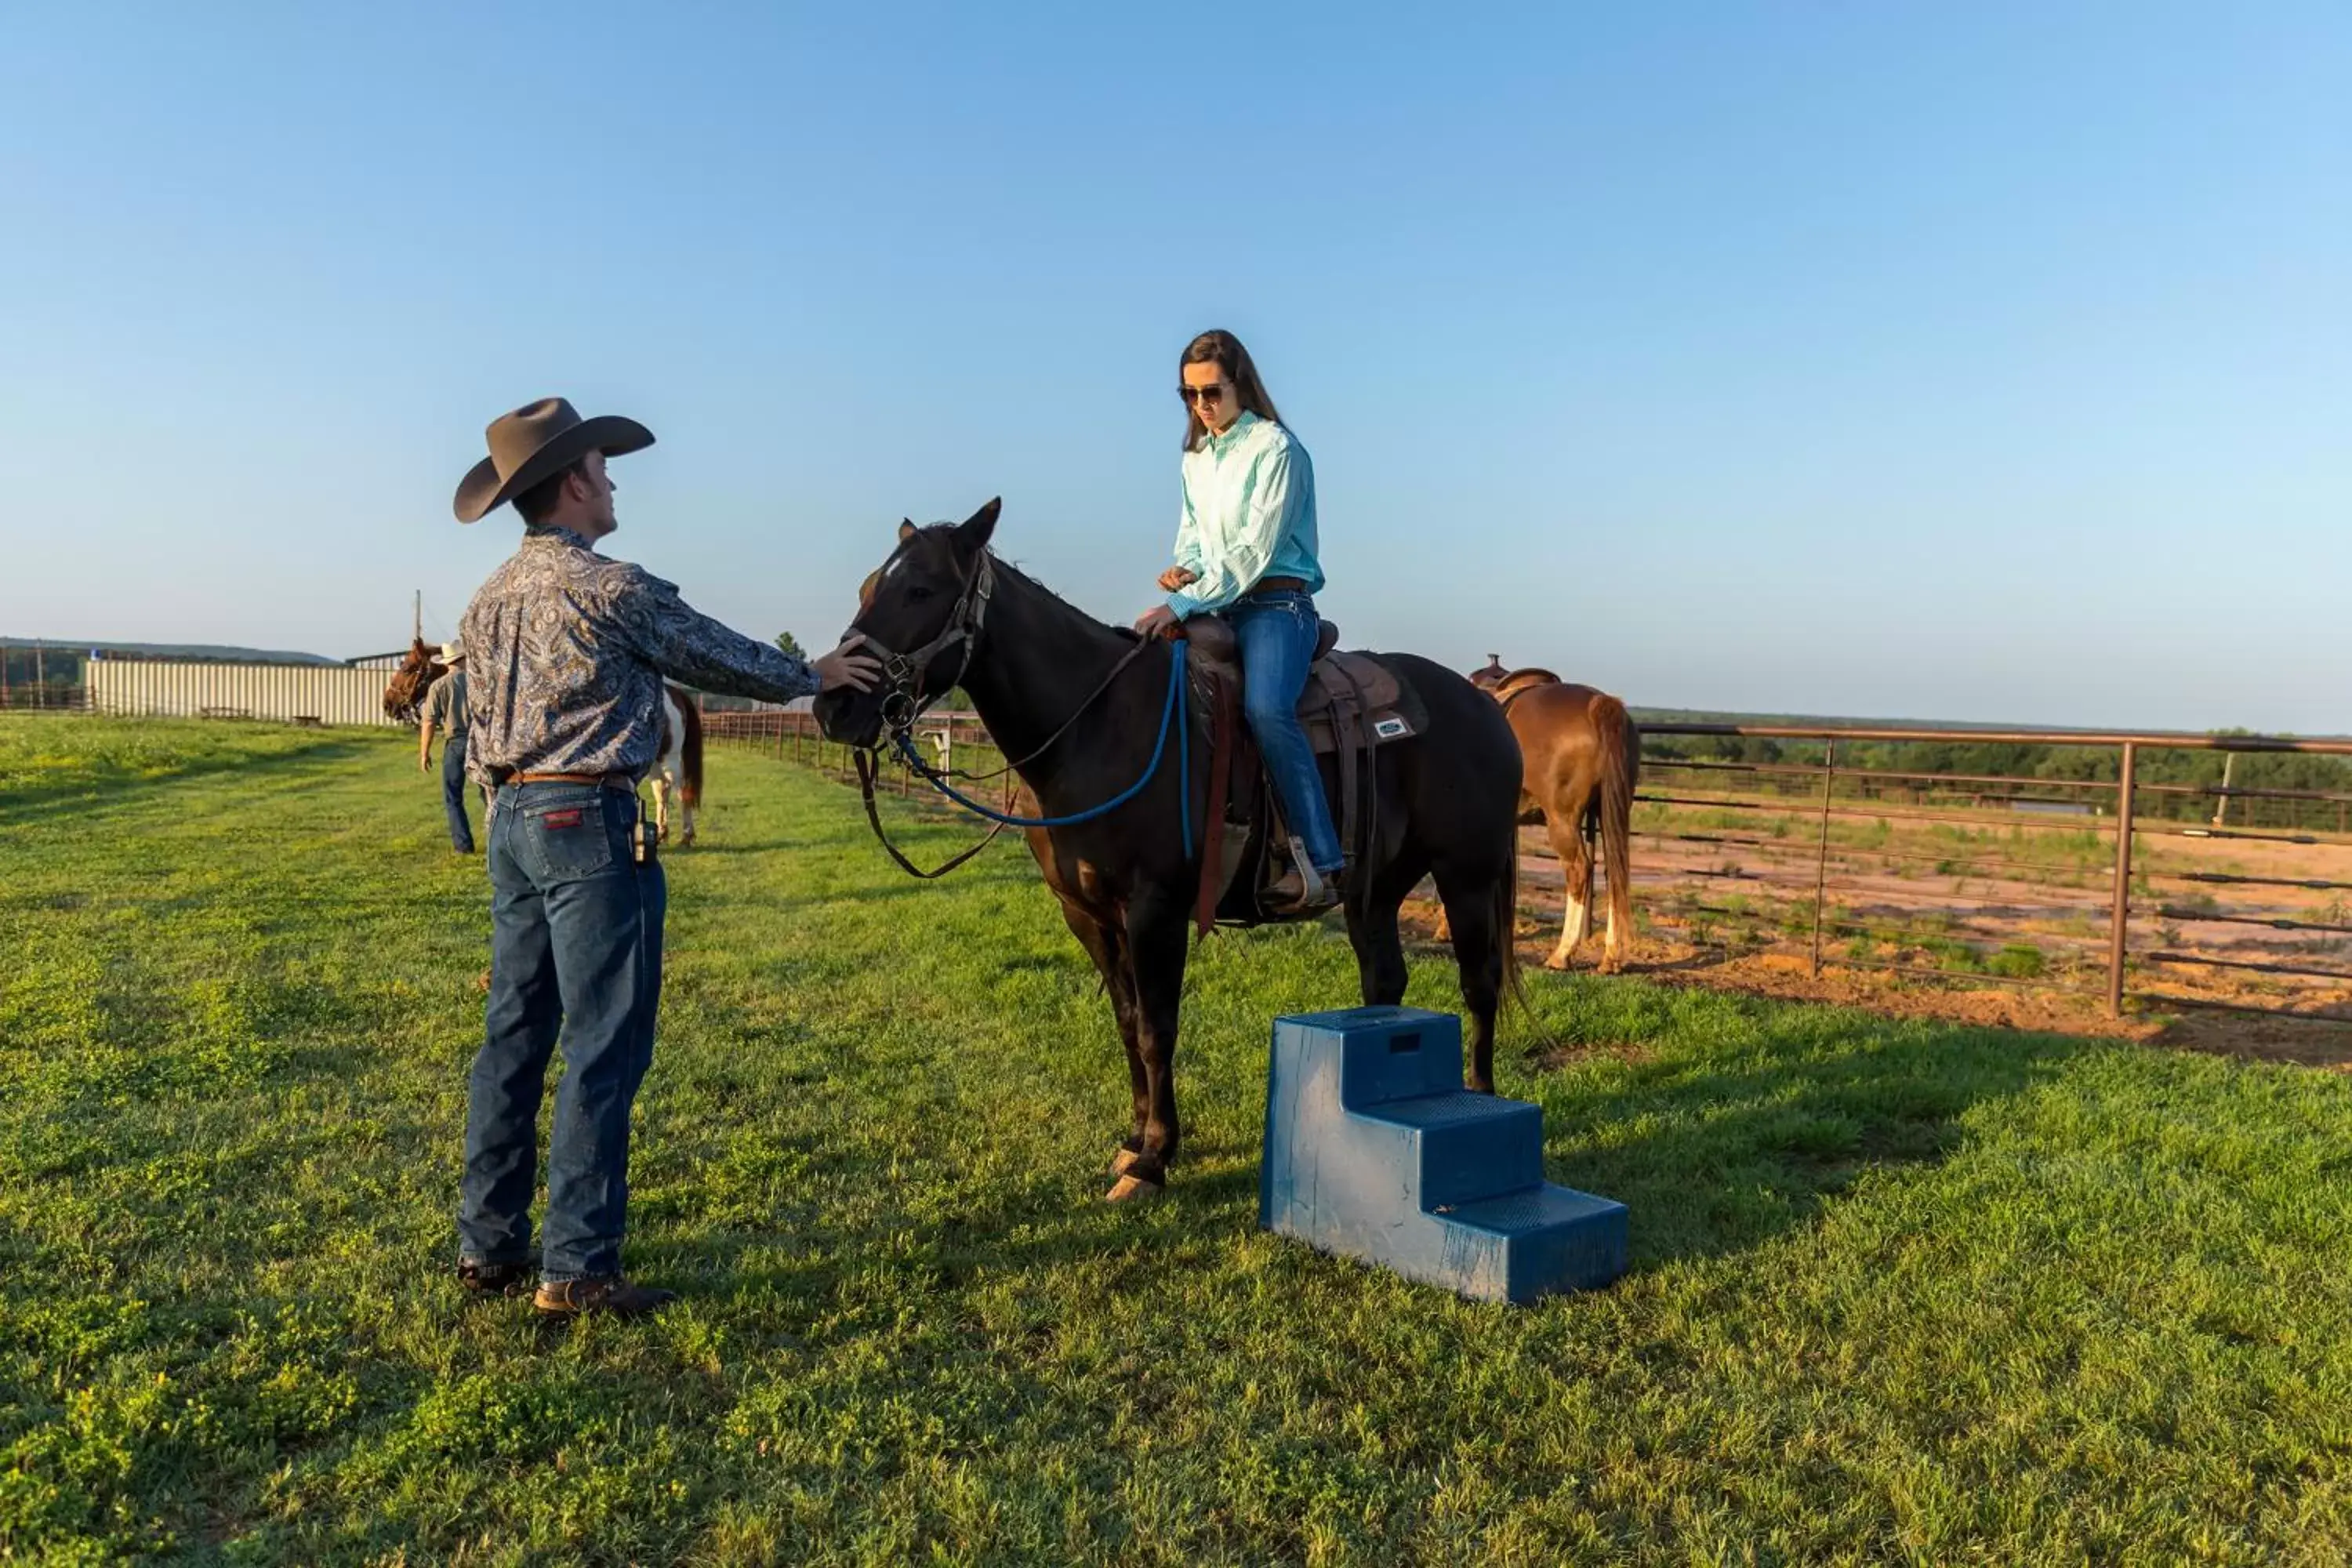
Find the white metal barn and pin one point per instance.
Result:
(291, 694)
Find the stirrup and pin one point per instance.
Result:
(1315, 890)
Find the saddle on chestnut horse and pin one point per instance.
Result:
(1353, 705)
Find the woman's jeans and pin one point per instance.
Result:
(1277, 631)
(575, 950)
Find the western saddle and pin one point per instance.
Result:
(1353, 705)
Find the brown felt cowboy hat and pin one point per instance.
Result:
(536, 440)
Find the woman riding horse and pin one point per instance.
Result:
(1246, 549)
(1087, 713)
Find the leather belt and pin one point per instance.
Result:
(610, 781)
(1279, 586)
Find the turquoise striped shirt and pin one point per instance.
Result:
(1249, 512)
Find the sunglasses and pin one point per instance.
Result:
(1209, 394)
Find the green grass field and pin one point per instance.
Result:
(1902, 1292)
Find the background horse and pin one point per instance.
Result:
(678, 765)
(1031, 664)
(403, 694)
(1582, 758)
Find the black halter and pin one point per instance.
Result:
(904, 700)
(903, 697)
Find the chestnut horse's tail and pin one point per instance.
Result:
(1620, 766)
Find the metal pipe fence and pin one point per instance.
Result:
(1897, 869)
(21, 697)
(1982, 826)
(958, 741)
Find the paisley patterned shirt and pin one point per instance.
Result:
(566, 650)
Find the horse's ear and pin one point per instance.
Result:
(905, 528)
(977, 529)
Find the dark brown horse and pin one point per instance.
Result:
(1582, 757)
(943, 612)
(403, 694)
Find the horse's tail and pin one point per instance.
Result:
(1620, 765)
(1507, 928)
(690, 750)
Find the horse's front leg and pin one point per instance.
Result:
(1156, 927)
(1105, 944)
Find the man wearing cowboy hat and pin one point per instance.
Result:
(569, 649)
(445, 708)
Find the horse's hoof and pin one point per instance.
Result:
(1123, 1162)
(686, 841)
(1554, 962)
(1131, 1188)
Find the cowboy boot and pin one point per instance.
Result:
(1301, 890)
(609, 1294)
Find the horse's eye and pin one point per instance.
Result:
(917, 594)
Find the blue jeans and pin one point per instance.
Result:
(575, 950)
(453, 794)
(1277, 631)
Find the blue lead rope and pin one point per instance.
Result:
(1167, 711)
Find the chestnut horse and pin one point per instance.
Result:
(403, 694)
(1088, 712)
(677, 763)
(1582, 757)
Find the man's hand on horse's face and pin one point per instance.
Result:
(1158, 621)
(844, 666)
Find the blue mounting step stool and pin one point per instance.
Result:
(1375, 1151)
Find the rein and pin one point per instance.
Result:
(903, 704)
(867, 771)
(1076, 714)
(1176, 668)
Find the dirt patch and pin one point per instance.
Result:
(1788, 977)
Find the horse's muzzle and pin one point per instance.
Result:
(850, 718)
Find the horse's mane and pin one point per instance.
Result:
(1019, 573)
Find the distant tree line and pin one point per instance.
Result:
(58, 669)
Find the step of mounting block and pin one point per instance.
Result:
(1374, 1151)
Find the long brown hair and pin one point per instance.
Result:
(1224, 351)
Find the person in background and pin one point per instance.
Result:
(445, 709)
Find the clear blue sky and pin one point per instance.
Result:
(1977, 361)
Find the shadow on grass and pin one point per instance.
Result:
(995, 1233)
(109, 791)
(1736, 1147)
(2300, 1039)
